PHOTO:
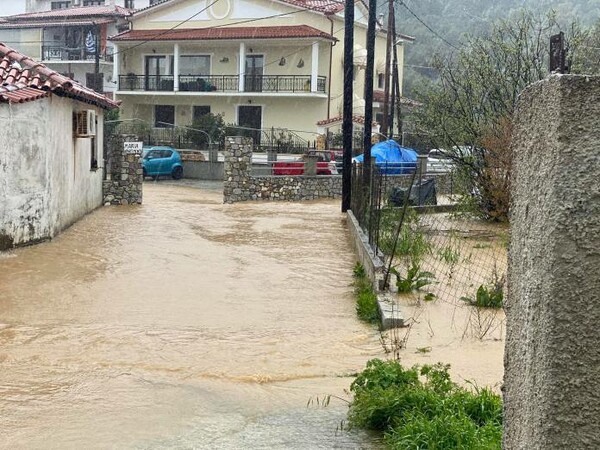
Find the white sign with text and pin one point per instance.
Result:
(133, 147)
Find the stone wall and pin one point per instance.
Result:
(240, 185)
(124, 174)
(552, 356)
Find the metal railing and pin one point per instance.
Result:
(221, 83)
(63, 53)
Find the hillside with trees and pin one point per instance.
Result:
(452, 20)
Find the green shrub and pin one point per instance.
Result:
(422, 408)
(487, 297)
(366, 299)
(415, 278)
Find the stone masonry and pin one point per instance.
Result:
(551, 382)
(124, 174)
(240, 185)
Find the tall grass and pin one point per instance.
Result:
(366, 298)
(422, 408)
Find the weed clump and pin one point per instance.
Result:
(487, 297)
(366, 298)
(422, 408)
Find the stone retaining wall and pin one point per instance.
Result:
(240, 185)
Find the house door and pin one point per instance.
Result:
(250, 116)
(156, 73)
(254, 73)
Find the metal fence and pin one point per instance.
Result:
(436, 246)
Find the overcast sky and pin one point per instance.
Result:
(9, 7)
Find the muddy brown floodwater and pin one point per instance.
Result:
(186, 323)
(183, 323)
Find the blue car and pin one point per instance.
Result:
(162, 160)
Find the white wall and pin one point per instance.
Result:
(45, 179)
(44, 5)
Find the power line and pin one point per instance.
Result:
(428, 27)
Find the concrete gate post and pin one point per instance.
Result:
(552, 357)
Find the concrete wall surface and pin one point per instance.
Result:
(552, 356)
(203, 170)
(47, 181)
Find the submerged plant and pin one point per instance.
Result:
(487, 296)
(415, 278)
(366, 298)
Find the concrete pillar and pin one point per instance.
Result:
(242, 67)
(552, 357)
(176, 67)
(314, 67)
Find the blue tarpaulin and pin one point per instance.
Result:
(391, 158)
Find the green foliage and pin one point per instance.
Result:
(415, 278)
(366, 299)
(487, 297)
(411, 243)
(422, 408)
(211, 125)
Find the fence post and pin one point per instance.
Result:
(551, 382)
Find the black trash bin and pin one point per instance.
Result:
(421, 194)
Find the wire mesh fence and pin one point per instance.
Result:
(435, 247)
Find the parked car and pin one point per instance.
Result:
(438, 161)
(162, 160)
(325, 165)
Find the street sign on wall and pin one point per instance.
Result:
(133, 147)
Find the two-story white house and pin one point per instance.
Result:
(71, 41)
(259, 63)
(47, 5)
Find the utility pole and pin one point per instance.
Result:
(386, 89)
(347, 114)
(368, 96)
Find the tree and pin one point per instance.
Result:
(472, 103)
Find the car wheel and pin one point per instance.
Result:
(144, 174)
(177, 173)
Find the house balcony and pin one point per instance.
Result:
(222, 83)
(71, 54)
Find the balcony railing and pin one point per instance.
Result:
(221, 83)
(62, 53)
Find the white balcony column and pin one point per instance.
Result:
(176, 67)
(242, 67)
(116, 59)
(314, 76)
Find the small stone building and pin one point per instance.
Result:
(51, 150)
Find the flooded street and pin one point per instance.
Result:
(183, 323)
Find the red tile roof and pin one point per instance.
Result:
(213, 33)
(355, 118)
(80, 12)
(23, 80)
(379, 97)
(50, 23)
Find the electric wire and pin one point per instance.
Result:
(444, 40)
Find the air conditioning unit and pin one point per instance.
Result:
(84, 123)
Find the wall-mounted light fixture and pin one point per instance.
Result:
(224, 59)
(300, 64)
(282, 61)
